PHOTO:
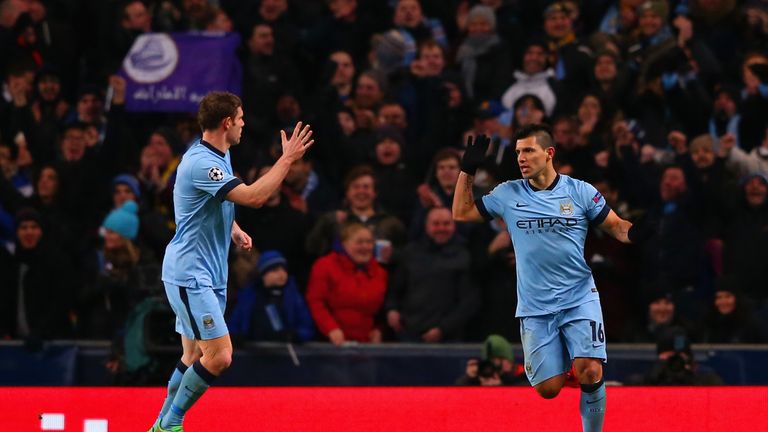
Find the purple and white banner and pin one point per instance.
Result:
(171, 72)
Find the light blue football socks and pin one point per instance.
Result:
(194, 383)
(592, 406)
(173, 387)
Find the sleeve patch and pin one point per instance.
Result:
(216, 174)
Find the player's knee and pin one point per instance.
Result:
(590, 373)
(222, 361)
(548, 391)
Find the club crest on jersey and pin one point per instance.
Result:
(208, 323)
(216, 174)
(566, 208)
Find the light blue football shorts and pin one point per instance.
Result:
(199, 311)
(551, 342)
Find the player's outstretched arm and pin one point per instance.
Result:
(617, 227)
(464, 208)
(257, 193)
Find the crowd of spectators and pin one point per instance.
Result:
(662, 105)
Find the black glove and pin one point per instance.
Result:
(643, 228)
(474, 155)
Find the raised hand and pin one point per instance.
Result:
(300, 141)
(474, 155)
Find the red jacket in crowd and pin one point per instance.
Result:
(341, 294)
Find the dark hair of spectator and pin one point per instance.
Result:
(130, 2)
(445, 154)
(215, 107)
(542, 132)
(81, 126)
(430, 43)
(357, 172)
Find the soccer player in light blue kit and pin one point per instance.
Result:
(547, 216)
(195, 263)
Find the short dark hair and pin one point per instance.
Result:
(541, 131)
(215, 107)
(357, 172)
(445, 154)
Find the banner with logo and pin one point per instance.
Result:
(171, 72)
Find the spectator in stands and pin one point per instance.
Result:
(725, 113)
(732, 319)
(661, 315)
(754, 103)
(431, 296)
(493, 270)
(120, 274)
(154, 230)
(535, 77)
(278, 226)
(17, 90)
(438, 192)
(346, 289)
(306, 190)
(359, 206)
(36, 284)
(267, 74)
(417, 28)
(483, 57)
(743, 217)
(610, 81)
(675, 254)
(270, 307)
(40, 116)
(569, 149)
(592, 123)
(216, 20)
(676, 365)
(497, 366)
(157, 173)
(346, 28)
(393, 181)
(433, 98)
(570, 59)
(744, 163)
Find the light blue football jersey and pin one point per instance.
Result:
(197, 254)
(548, 230)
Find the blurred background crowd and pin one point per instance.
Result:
(662, 105)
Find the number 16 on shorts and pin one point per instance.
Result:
(597, 332)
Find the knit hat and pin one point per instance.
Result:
(129, 181)
(391, 49)
(28, 214)
(124, 220)
(484, 12)
(389, 132)
(497, 346)
(659, 7)
(762, 176)
(269, 260)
